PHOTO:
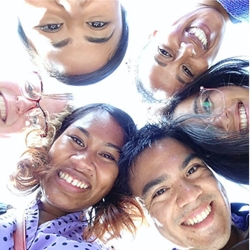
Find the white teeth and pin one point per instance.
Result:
(199, 218)
(243, 117)
(3, 114)
(200, 34)
(72, 181)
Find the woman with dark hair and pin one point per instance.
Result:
(73, 169)
(77, 42)
(219, 97)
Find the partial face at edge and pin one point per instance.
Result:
(76, 36)
(187, 203)
(228, 107)
(17, 111)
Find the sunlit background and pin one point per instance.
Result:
(118, 89)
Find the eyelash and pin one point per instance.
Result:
(96, 24)
(187, 71)
(107, 156)
(77, 141)
(159, 192)
(51, 28)
(165, 53)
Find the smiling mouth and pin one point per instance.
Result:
(3, 113)
(243, 116)
(74, 182)
(198, 218)
(200, 35)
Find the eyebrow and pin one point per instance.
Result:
(177, 77)
(99, 40)
(164, 177)
(69, 40)
(62, 43)
(108, 144)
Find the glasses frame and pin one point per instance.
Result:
(203, 89)
(45, 133)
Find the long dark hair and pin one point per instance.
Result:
(90, 78)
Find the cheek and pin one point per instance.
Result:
(107, 177)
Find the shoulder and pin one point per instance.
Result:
(238, 10)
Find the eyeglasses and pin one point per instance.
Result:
(212, 101)
(33, 90)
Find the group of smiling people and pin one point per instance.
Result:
(95, 173)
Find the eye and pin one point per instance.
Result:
(77, 141)
(187, 71)
(51, 28)
(163, 52)
(32, 91)
(207, 105)
(159, 192)
(108, 156)
(97, 24)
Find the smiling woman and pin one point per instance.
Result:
(24, 104)
(78, 42)
(74, 169)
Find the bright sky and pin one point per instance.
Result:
(144, 16)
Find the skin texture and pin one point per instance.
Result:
(175, 186)
(15, 107)
(88, 151)
(174, 57)
(73, 20)
(229, 118)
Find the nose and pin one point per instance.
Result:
(82, 161)
(69, 4)
(223, 120)
(23, 105)
(187, 49)
(187, 193)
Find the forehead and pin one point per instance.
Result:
(101, 124)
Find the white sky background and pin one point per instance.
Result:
(144, 16)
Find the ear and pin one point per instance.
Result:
(153, 34)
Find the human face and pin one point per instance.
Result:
(186, 202)
(176, 55)
(18, 111)
(234, 115)
(78, 35)
(84, 163)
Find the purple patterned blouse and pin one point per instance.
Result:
(62, 233)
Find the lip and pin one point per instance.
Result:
(3, 118)
(238, 118)
(205, 222)
(76, 175)
(195, 39)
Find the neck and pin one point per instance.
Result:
(235, 238)
(47, 212)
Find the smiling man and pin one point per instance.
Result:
(179, 53)
(186, 202)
